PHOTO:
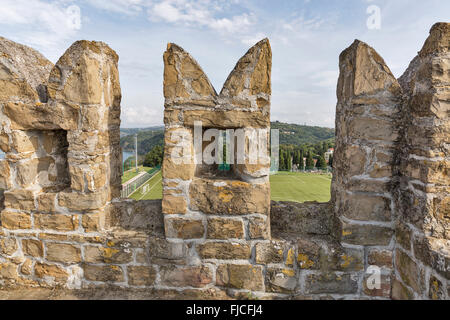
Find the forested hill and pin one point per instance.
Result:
(147, 139)
(292, 134)
(300, 134)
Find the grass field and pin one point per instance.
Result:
(130, 174)
(300, 187)
(285, 186)
(151, 190)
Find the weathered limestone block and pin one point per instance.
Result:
(162, 251)
(76, 77)
(55, 272)
(224, 228)
(281, 280)
(225, 119)
(64, 253)
(24, 72)
(196, 277)
(81, 202)
(141, 275)
(46, 202)
(105, 273)
(252, 72)
(366, 207)
(240, 276)
(380, 258)
(270, 252)
(23, 141)
(183, 78)
(408, 269)
(369, 235)
(229, 197)
(27, 267)
(290, 219)
(259, 227)
(19, 199)
(364, 74)
(184, 228)
(436, 289)
(144, 215)
(34, 248)
(5, 175)
(96, 254)
(92, 222)
(172, 204)
(15, 220)
(433, 252)
(47, 116)
(342, 283)
(8, 246)
(223, 250)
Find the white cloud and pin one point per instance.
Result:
(128, 7)
(201, 13)
(40, 23)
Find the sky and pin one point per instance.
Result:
(306, 37)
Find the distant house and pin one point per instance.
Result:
(328, 154)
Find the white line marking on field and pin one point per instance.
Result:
(151, 186)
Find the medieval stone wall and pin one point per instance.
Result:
(216, 234)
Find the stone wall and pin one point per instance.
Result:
(215, 234)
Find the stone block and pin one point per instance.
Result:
(64, 253)
(258, 228)
(32, 247)
(106, 273)
(197, 276)
(270, 252)
(345, 283)
(20, 199)
(367, 235)
(15, 220)
(97, 254)
(173, 204)
(141, 275)
(408, 269)
(55, 272)
(238, 276)
(184, 228)
(57, 222)
(380, 258)
(281, 280)
(224, 228)
(223, 250)
(229, 197)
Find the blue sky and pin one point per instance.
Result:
(306, 37)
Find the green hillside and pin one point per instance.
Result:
(146, 140)
(299, 134)
(290, 134)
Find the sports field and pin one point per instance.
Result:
(150, 190)
(300, 187)
(285, 186)
(127, 175)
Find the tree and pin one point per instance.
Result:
(309, 161)
(321, 163)
(330, 161)
(154, 157)
(289, 162)
(300, 157)
(282, 163)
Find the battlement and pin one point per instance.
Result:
(215, 234)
